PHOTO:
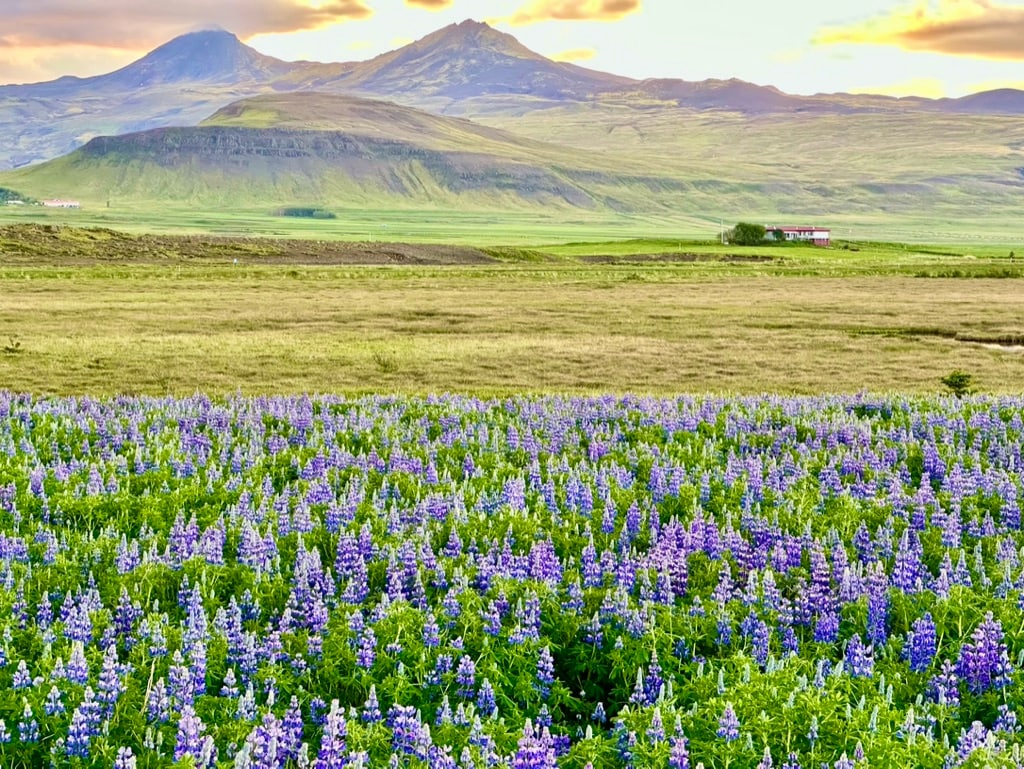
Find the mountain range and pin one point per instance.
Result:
(465, 69)
(468, 116)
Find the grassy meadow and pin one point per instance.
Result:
(639, 316)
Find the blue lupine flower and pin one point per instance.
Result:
(728, 724)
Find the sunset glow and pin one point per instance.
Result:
(928, 48)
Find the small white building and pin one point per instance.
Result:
(15, 202)
(819, 236)
(60, 203)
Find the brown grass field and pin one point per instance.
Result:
(556, 326)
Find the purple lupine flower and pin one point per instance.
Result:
(654, 680)
(77, 669)
(79, 735)
(189, 741)
(22, 678)
(265, 742)
(766, 760)
(91, 710)
(728, 724)
(444, 713)
(544, 718)
(971, 740)
(943, 687)
(371, 709)
(109, 684)
(860, 659)
(907, 569)
(431, 631)
(984, 663)
(179, 681)
(333, 747)
(78, 626)
(679, 756)
(229, 688)
(492, 619)
(1006, 721)
(545, 672)
(158, 703)
(367, 653)
(291, 731)
(127, 614)
(793, 762)
(534, 751)
(844, 763)
(125, 759)
(405, 729)
(28, 727)
(465, 677)
(639, 695)
(759, 641)
(656, 731)
(54, 705)
(920, 646)
(878, 605)
(812, 731)
(486, 702)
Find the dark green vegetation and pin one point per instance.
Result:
(747, 234)
(305, 212)
(7, 195)
(101, 312)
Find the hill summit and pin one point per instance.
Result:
(207, 56)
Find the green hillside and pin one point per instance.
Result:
(906, 175)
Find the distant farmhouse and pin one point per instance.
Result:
(61, 204)
(819, 236)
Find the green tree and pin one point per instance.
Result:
(746, 234)
(958, 382)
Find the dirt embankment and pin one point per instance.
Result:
(49, 244)
(678, 258)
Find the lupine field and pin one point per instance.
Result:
(524, 583)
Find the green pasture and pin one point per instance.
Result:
(556, 231)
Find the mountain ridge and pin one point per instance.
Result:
(462, 69)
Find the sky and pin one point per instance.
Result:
(922, 47)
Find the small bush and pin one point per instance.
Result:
(958, 383)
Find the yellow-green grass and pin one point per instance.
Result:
(480, 228)
(559, 327)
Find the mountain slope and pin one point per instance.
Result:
(343, 152)
(375, 119)
(329, 149)
(179, 83)
(468, 60)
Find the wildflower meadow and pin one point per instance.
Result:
(527, 583)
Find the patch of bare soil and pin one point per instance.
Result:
(48, 244)
(677, 258)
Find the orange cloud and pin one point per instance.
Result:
(978, 28)
(430, 5)
(574, 10)
(575, 54)
(109, 23)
